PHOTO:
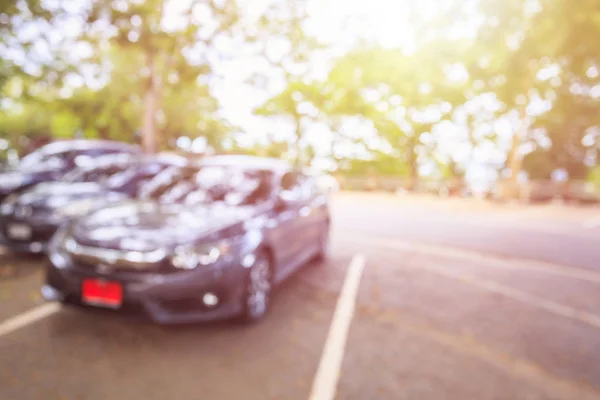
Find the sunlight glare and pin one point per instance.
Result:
(382, 21)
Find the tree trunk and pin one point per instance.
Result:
(337, 136)
(515, 159)
(150, 108)
(103, 133)
(413, 164)
(297, 147)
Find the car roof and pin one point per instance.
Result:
(124, 159)
(244, 161)
(86, 144)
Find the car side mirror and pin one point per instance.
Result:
(282, 202)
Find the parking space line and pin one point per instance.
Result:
(517, 367)
(29, 317)
(389, 243)
(535, 301)
(523, 297)
(592, 223)
(325, 381)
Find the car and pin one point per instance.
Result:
(210, 246)
(52, 161)
(28, 220)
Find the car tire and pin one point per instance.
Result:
(258, 289)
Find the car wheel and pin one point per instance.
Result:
(257, 299)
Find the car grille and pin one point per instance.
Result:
(109, 265)
(23, 211)
(118, 259)
(38, 233)
(98, 264)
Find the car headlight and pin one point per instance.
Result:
(76, 209)
(8, 206)
(190, 257)
(7, 209)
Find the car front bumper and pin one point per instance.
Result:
(41, 234)
(164, 298)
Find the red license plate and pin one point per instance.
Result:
(102, 293)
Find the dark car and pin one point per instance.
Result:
(210, 246)
(52, 161)
(29, 219)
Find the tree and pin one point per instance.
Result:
(572, 66)
(408, 93)
(284, 42)
(572, 126)
(523, 57)
(335, 101)
(325, 102)
(295, 104)
(172, 46)
(14, 16)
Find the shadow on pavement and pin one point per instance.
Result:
(15, 266)
(72, 352)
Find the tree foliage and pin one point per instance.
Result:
(519, 91)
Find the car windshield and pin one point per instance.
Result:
(99, 174)
(209, 184)
(124, 177)
(43, 158)
(165, 182)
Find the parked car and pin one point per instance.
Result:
(52, 161)
(29, 219)
(211, 246)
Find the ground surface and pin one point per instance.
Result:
(458, 300)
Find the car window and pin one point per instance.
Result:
(225, 184)
(309, 188)
(98, 174)
(84, 158)
(292, 186)
(52, 157)
(68, 156)
(133, 177)
(40, 159)
(137, 178)
(35, 157)
(289, 180)
(163, 184)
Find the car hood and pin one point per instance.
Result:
(12, 179)
(16, 178)
(149, 226)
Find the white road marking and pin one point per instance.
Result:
(328, 372)
(523, 297)
(476, 256)
(27, 318)
(592, 223)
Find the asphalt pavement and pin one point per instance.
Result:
(560, 235)
(438, 316)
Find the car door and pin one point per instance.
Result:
(287, 234)
(312, 216)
